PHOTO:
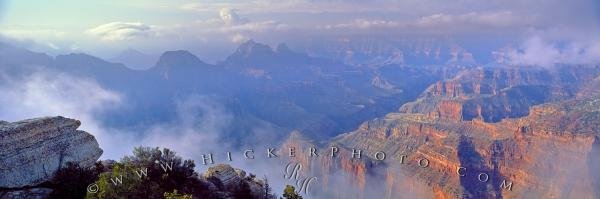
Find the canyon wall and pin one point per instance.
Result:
(494, 93)
(487, 133)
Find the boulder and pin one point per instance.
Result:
(225, 174)
(32, 193)
(32, 150)
(233, 180)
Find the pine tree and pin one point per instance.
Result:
(267, 188)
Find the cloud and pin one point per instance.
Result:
(46, 93)
(198, 127)
(440, 23)
(234, 23)
(365, 24)
(238, 38)
(494, 19)
(117, 31)
(303, 16)
(237, 28)
(261, 26)
(230, 17)
(303, 6)
(25, 33)
(537, 51)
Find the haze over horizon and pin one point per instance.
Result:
(213, 29)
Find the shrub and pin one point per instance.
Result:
(165, 172)
(71, 181)
(290, 193)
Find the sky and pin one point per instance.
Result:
(212, 28)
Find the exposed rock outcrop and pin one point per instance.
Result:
(494, 93)
(33, 150)
(227, 182)
(488, 133)
(226, 175)
(552, 153)
(32, 193)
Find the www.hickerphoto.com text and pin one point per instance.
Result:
(334, 152)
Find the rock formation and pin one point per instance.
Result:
(29, 193)
(444, 145)
(494, 93)
(32, 150)
(551, 153)
(226, 181)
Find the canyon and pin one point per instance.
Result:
(446, 128)
(495, 132)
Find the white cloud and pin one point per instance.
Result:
(365, 24)
(537, 51)
(238, 38)
(260, 26)
(471, 21)
(494, 19)
(28, 33)
(52, 94)
(303, 6)
(230, 17)
(235, 27)
(200, 122)
(117, 31)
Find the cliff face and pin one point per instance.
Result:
(340, 176)
(32, 150)
(552, 153)
(442, 145)
(494, 93)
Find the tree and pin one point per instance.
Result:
(163, 172)
(72, 180)
(175, 195)
(290, 192)
(267, 188)
(119, 183)
(243, 192)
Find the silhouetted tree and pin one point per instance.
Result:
(243, 192)
(267, 188)
(71, 181)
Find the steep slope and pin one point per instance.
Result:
(135, 59)
(494, 93)
(552, 153)
(175, 64)
(376, 51)
(550, 150)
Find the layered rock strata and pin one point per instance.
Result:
(494, 93)
(552, 153)
(487, 133)
(32, 150)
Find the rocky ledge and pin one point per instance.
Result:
(32, 150)
(226, 181)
